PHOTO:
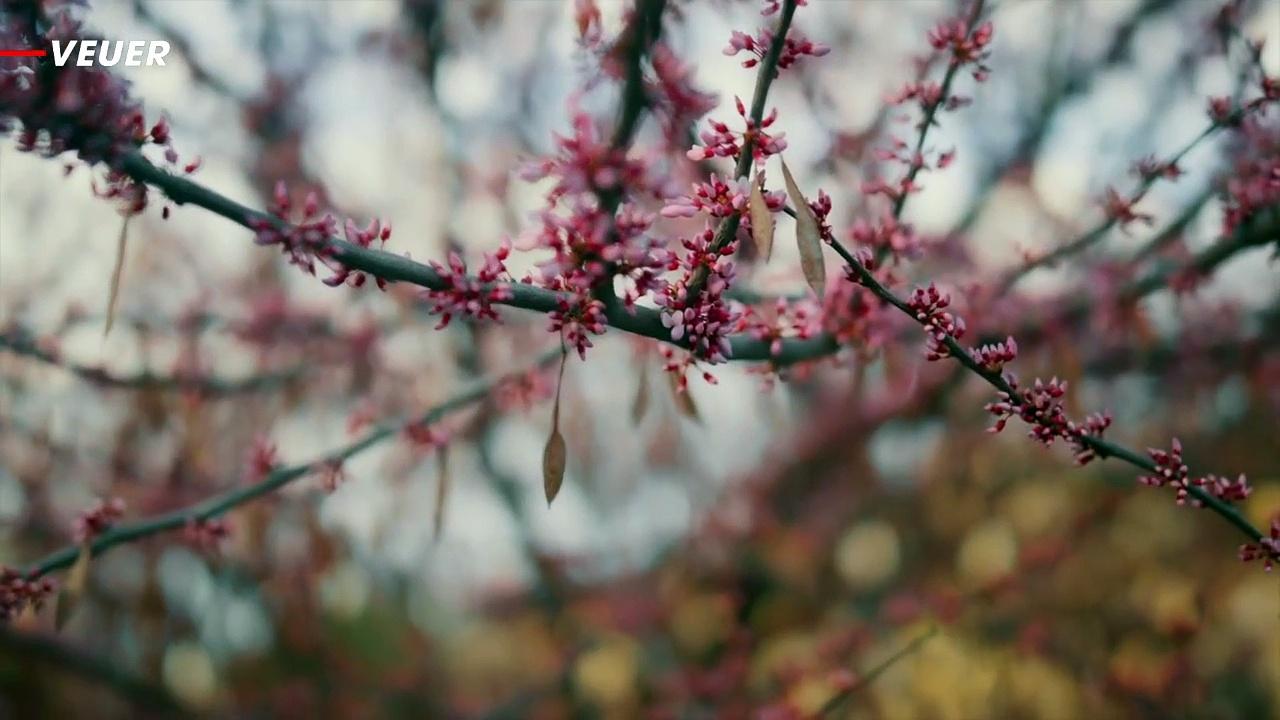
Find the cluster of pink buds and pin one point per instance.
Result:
(470, 297)
(897, 238)
(78, 108)
(1152, 168)
(802, 319)
(1171, 471)
(720, 198)
(308, 239)
(600, 238)
(91, 523)
(1041, 408)
(968, 45)
(852, 314)
(677, 364)
(17, 593)
(426, 437)
(332, 474)
(928, 95)
(1222, 111)
(794, 47)
(586, 162)
(1266, 549)
(677, 103)
(1254, 182)
(263, 458)
(636, 257)
(206, 535)
(577, 316)
(361, 237)
(1120, 209)
(994, 356)
(524, 390)
(929, 306)
(1094, 425)
(720, 141)
(701, 323)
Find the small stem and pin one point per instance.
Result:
(276, 479)
(728, 227)
(1103, 448)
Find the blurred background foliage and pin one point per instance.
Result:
(773, 557)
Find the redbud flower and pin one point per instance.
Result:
(331, 475)
(1267, 549)
(701, 323)
(993, 356)
(795, 46)
(888, 233)
(426, 437)
(263, 458)
(676, 101)
(17, 592)
(206, 535)
(91, 523)
(720, 198)
(470, 297)
(720, 141)
(929, 307)
(967, 47)
(1121, 209)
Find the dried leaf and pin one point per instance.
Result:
(442, 494)
(553, 463)
(117, 274)
(554, 454)
(761, 220)
(683, 399)
(808, 236)
(72, 589)
(640, 405)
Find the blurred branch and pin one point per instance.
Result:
(1263, 229)
(1176, 227)
(20, 343)
(1076, 82)
(179, 41)
(870, 676)
(1099, 231)
(276, 479)
(27, 647)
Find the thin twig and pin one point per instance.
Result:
(871, 675)
(728, 227)
(21, 344)
(1102, 448)
(276, 479)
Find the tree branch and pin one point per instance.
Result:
(395, 268)
(1270, 228)
(728, 227)
(276, 479)
(19, 343)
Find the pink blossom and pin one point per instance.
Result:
(929, 307)
(470, 297)
(19, 592)
(720, 141)
(968, 46)
(1266, 549)
(91, 523)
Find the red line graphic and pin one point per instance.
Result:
(23, 53)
